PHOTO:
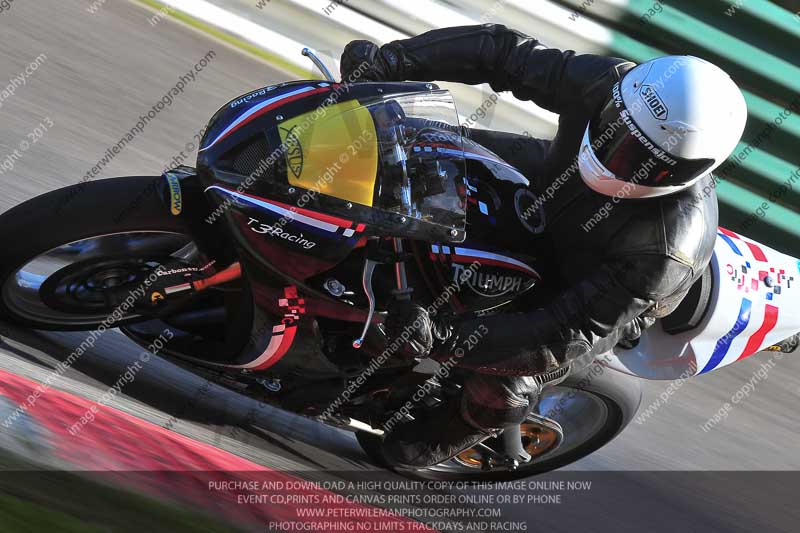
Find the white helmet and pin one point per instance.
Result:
(668, 123)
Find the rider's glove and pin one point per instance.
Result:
(409, 327)
(365, 61)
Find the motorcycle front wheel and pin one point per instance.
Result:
(62, 250)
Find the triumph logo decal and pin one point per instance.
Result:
(654, 102)
(485, 284)
(294, 152)
(497, 275)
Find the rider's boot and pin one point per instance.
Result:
(434, 436)
(786, 346)
(487, 405)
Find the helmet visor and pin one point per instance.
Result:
(630, 155)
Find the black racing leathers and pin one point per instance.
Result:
(621, 259)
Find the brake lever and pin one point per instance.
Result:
(366, 281)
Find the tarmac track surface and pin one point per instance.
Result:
(103, 70)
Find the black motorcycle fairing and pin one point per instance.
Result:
(504, 255)
(250, 150)
(289, 242)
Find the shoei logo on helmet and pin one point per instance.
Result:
(625, 115)
(654, 102)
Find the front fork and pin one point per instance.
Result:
(183, 196)
(402, 291)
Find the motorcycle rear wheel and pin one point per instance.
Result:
(591, 407)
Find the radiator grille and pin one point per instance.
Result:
(252, 156)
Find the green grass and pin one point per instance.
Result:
(33, 500)
(17, 515)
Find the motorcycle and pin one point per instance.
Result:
(314, 205)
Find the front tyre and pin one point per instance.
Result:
(589, 409)
(63, 249)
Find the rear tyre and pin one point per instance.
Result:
(591, 407)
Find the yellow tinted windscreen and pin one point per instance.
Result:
(334, 152)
